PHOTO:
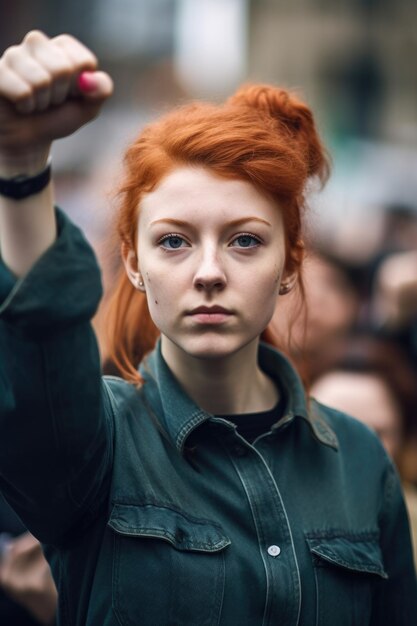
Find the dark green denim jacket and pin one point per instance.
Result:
(155, 513)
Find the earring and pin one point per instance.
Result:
(286, 287)
(139, 282)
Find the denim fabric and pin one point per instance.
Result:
(155, 513)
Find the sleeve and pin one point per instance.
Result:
(395, 600)
(55, 426)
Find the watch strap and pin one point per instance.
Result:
(22, 186)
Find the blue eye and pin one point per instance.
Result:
(172, 242)
(246, 241)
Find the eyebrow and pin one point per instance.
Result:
(238, 222)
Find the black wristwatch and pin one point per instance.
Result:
(22, 186)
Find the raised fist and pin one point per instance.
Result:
(48, 89)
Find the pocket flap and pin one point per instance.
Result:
(180, 530)
(359, 553)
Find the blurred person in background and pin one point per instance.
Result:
(393, 309)
(372, 379)
(399, 233)
(28, 595)
(390, 279)
(201, 486)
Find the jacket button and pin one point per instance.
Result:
(274, 551)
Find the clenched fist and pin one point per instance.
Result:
(48, 89)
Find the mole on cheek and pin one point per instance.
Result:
(156, 301)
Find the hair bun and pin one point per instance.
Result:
(292, 115)
(277, 103)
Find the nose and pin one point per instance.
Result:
(209, 274)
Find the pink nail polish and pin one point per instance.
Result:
(86, 82)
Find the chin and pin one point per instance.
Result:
(212, 347)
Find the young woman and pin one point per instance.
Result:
(204, 489)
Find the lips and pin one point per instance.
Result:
(210, 310)
(210, 315)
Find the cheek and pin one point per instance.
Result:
(264, 293)
(161, 294)
(154, 296)
(152, 290)
(268, 282)
(278, 269)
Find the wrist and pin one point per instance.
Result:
(24, 165)
(22, 186)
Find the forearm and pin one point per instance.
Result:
(27, 229)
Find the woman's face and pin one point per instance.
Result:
(211, 256)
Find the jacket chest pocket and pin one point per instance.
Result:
(347, 568)
(168, 567)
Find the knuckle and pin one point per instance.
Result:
(74, 46)
(34, 36)
(43, 84)
(62, 67)
(14, 90)
(65, 39)
(86, 57)
(40, 79)
(23, 94)
(12, 53)
(91, 59)
(89, 55)
(63, 75)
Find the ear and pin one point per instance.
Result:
(288, 282)
(130, 262)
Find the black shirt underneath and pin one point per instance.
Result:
(252, 425)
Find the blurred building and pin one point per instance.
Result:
(353, 58)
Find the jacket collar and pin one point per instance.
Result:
(277, 366)
(180, 416)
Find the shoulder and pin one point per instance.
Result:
(118, 385)
(354, 438)
(121, 395)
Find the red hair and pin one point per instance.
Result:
(261, 134)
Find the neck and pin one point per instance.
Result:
(223, 386)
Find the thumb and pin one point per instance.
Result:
(94, 85)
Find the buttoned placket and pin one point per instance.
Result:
(276, 545)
